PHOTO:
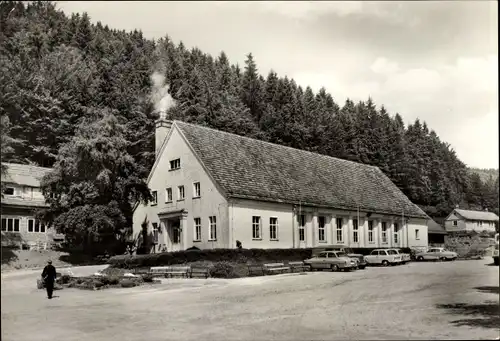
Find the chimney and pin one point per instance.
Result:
(162, 128)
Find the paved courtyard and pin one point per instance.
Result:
(450, 300)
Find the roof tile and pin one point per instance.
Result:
(255, 169)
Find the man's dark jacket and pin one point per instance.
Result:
(49, 273)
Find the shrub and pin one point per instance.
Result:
(127, 283)
(147, 278)
(110, 280)
(222, 270)
(213, 255)
(64, 279)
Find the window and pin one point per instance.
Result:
(384, 232)
(480, 223)
(8, 191)
(213, 228)
(180, 193)
(155, 233)
(455, 223)
(10, 224)
(256, 228)
(396, 233)
(197, 229)
(155, 198)
(321, 229)
(417, 234)
(175, 164)
(196, 190)
(322, 255)
(302, 225)
(35, 226)
(273, 228)
(370, 231)
(339, 230)
(168, 195)
(355, 237)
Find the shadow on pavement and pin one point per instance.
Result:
(490, 290)
(491, 264)
(486, 315)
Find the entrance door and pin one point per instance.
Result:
(175, 234)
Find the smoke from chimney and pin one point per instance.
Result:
(159, 94)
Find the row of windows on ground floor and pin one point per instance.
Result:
(273, 226)
(11, 224)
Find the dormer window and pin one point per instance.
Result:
(8, 191)
(175, 164)
(155, 198)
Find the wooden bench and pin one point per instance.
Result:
(199, 272)
(255, 269)
(298, 266)
(271, 268)
(170, 271)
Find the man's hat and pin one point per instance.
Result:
(49, 261)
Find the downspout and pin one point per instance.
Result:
(293, 226)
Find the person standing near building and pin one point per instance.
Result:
(49, 276)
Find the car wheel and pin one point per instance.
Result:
(420, 258)
(385, 263)
(334, 267)
(443, 259)
(362, 267)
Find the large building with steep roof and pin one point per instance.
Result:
(213, 188)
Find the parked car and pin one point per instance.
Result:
(405, 257)
(331, 260)
(436, 253)
(350, 253)
(383, 257)
(495, 254)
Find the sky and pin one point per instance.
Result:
(432, 60)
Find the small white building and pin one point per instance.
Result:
(466, 220)
(213, 189)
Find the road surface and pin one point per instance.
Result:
(444, 300)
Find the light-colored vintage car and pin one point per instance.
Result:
(405, 257)
(332, 260)
(348, 251)
(436, 253)
(383, 257)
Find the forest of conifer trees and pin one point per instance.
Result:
(57, 70)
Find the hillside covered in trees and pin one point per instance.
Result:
(56, 71)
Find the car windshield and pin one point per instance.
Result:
(392, 252)
(322, 255)
(341, 254)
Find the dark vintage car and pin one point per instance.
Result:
(348, 251)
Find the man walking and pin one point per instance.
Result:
(49, 276)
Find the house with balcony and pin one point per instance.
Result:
(21, 197)
(212, 189)
(460, 220)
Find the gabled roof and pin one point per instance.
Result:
(26, 175)
(253, 169)
(435, 228)
(476, 215)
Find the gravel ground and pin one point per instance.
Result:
(448, 300)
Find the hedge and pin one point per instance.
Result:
(220, 255)
(214, 255)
